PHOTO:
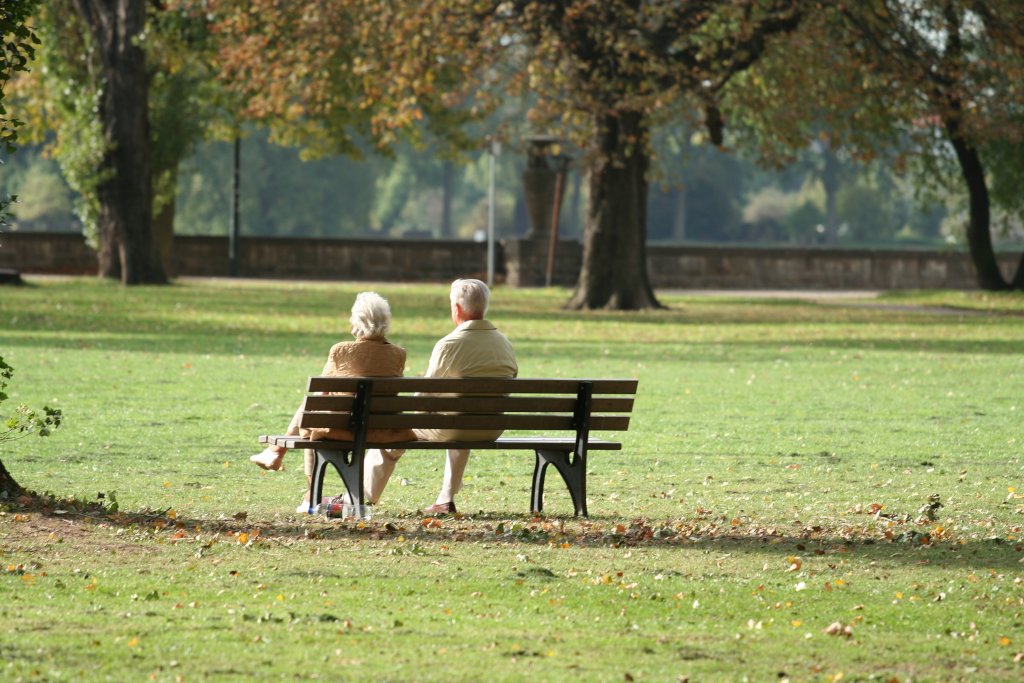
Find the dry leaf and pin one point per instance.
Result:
(837, 629)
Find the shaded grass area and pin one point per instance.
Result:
(768, 488)
(1000, 302)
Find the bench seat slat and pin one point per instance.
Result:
(469, 404)
(433, 421)
(504, 443)
(444, 385)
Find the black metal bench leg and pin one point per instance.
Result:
(350, 468)
(316, 482)
(537, 493)
(574, 473)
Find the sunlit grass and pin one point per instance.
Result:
(764, 433)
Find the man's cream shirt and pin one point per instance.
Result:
(475, 349)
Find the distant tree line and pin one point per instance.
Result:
(853, 99)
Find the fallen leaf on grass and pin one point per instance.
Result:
(240, 516)
(837, 629)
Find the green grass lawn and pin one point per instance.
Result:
(769, 487)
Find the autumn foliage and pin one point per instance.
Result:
(327, 73)
(935, 80)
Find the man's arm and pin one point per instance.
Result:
(439, 365)
(437, 368)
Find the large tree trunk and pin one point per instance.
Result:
(126, 198)
(163, 232)
(8, 484)
(614, 272)
(979, 234)
(109, 256)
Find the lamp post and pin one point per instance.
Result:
(563, 165)
(495, 150)
(234, 227)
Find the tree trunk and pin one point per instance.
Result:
(163, 232)
(109, 257)
(126, 199)
(8, 484)
(614, 272)
(979, 235)
(1018, 278)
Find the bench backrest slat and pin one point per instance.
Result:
(469, 404)
(443, 385)
(434, 421)
(485, 404)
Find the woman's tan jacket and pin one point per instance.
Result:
(361, 358)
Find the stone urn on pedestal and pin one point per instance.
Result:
(539, 179)
(526, 258)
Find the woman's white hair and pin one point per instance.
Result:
(371, 316)
(472, 295)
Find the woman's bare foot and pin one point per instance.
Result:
(269, 460)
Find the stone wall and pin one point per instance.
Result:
(47, 252)
(270, 257)
(670, 267)
(679, 267)
(526, 262)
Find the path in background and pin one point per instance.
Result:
(805, 294)
(839, 298)
(842, 299)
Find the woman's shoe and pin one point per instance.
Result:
(303, 509)
(269, 460)
(441, 509)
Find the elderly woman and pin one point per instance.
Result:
(370, 355)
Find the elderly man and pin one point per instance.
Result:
(475, 349)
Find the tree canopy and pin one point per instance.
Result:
(597, 73)
(933, 82)
(18, 49)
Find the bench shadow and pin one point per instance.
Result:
(437, 538)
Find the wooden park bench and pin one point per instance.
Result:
(563, 405)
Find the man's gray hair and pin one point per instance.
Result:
(472, 295)
(371, 316)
